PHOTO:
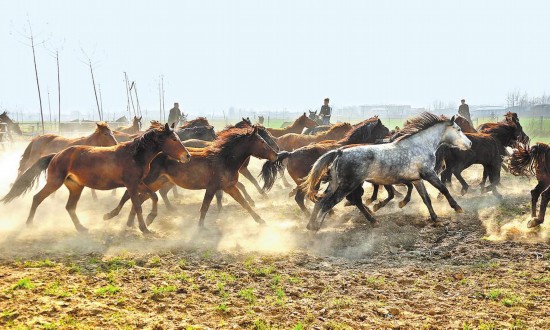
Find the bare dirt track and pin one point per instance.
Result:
(482, 270)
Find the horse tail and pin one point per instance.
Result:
(28, 178)
(270, 169)
(25, 157)
(317, 172)
(524, 159)
(440, 154)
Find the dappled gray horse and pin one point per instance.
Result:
(409, 158)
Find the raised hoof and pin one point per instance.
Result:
(463, 191)
(348, 203)
(264, 195)
(82, 230)
(252, 203)
(534, 223)
(376, 207)
(375, 224)
(458, 209)
(260, 221)
(368, 201)
(148, 233)
(290, 194)
(130, 224)
(108, 216)
(440, 196)
(438, 223)
(150, 219)
(403, 203)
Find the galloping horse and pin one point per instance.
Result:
(197, 122)
(410, 158)
(297, 126)
(12, 126)
(206, 133)
(103, 168)
(51, 143)
(534, 160)
(300, 161)
(464, 124)
(291, 141)
(134, 129)
(213, 168)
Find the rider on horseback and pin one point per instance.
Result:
(325, 112)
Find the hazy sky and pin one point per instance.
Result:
(276, 54)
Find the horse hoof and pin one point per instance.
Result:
(149, 219)
(108, 216)
(438, 223)
(260, 221)
(348, 203)
(375, 224)
(368, 201)
(402, 204)
(252, 203)
(376, 207)
(458, 209)
(463, 191)
(533, 223)
(82, 229)
(440, 196)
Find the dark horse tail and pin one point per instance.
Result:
(25, 158)
(525, 158)
(270, 169)
(28, 178)
(317, 172)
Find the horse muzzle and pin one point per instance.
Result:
(185, 158)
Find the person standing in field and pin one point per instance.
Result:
(325, 112)
(464, 111)
(174, 115)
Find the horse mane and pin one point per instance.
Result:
(526, 159)
(144, 142)
(418, 124)
(194, 122)
(360, 132)
(222, 147)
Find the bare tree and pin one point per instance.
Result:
(512, 98)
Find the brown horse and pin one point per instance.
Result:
(103, 168)
(301, 160)
(51, 143)
(297, 126)
(134, 129)
(292, 141)
(464, 124)
(534, 160)
(213, 168)
(12, 126)
(197, 122)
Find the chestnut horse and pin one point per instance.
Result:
(103, 168)
(213, 168)
(51, 143)
(134, 129)
(197, 122)
(297, 126)
(464, 124)
(300, 161)
(534, 160)
(292, 141)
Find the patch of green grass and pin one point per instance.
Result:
(299, 326)
(154, 261)
(494, 294)
(486, 325)
(23, 284)
(248, 295)
(39, 263)
(375, 281)
(263, 271)
(222, 308)
(339, 303)
(161, 290)
(466, 326)
(511, 300)
(54, 289)
(545, 279)
(333, 325)
(280, 296)
(109, 289)
(181, 263)
(119, 263)
(260, 324)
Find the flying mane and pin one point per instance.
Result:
(417, 124)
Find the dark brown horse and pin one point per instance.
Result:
(301, 160)
(534, 160)
(197, 122)
(464, 124)
(103, 168)
(134, 129)
(292, 141)
(206, 133)
(12, 126)
(51, 143)
(297, 126)
(213, 168)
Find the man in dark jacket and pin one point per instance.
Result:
(464, 111)
(174, 115)
(325, 112)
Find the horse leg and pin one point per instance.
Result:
(47, 190)
(117, 209)
(494, 178)
(374, 195)
(419, 185)
(381, 204)
(535, 194)
(543, 203)
(446, 176)
(246, 173)
(175, 192)
(234, 192)
(457, 172)
(164, 194)
(432, 178)
(484, 179)
(208, 196)
(300, 198)
(154, 209)
(219, 196)
(94, 195)
(355, 198)
(75, 190)
(249, 199)
(285, 181)
(407, 198)
(324, 205)
(136, 201)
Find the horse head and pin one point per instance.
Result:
(306, 121)
(103, 136)
(170, 143)
(454, 136)
(260, 148)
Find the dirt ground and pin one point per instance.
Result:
(481, 270)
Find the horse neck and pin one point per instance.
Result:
(147, 153)
(504, 135)
(428, 139)
(296, 127)
(239, 153)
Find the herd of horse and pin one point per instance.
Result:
(326, 165)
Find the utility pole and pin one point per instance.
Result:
(58, 93)
(95, 90)
(127, 93)
(36, 75)
(49, 106)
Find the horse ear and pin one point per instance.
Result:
(304, 113)
(173, 125)
(166, 127)
(140, 117)
(98, 126)
(453, 119)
